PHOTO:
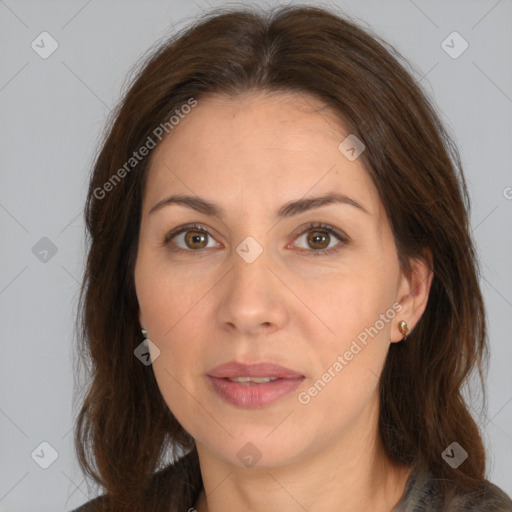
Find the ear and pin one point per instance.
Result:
(413, 293)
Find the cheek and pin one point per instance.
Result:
(166, 293)
(356, 302)
(179, 368)
(167, 311)
(350, 356)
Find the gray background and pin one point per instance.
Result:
(53, 112)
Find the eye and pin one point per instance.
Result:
(192, 238)
(317, 235)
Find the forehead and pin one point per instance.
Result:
(267, 148)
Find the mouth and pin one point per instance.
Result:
(255, 385)
(235, 370)
(248, 381)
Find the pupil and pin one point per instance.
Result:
(195, 239)
(317, 238)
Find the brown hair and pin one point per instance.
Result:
(124, 429)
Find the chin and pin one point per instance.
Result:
(253, 450)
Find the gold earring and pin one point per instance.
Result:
(144, 333)
(402, 326)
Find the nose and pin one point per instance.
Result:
(252, 298)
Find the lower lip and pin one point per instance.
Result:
(254, 395)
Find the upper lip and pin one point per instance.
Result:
(234, 369)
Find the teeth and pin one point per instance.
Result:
(256, 380)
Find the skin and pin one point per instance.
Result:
(250, 155)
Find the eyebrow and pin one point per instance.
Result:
(289, 209)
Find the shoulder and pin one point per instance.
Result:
(423, 494)
(489, 498)
(165, 482)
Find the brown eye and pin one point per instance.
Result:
(317, 239)
(195, 239)
(191, 238)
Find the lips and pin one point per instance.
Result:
(233, 370)
(256, 385)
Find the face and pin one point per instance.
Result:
(255, 284)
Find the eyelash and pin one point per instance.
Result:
(312, 226)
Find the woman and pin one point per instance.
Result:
(279, 211)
